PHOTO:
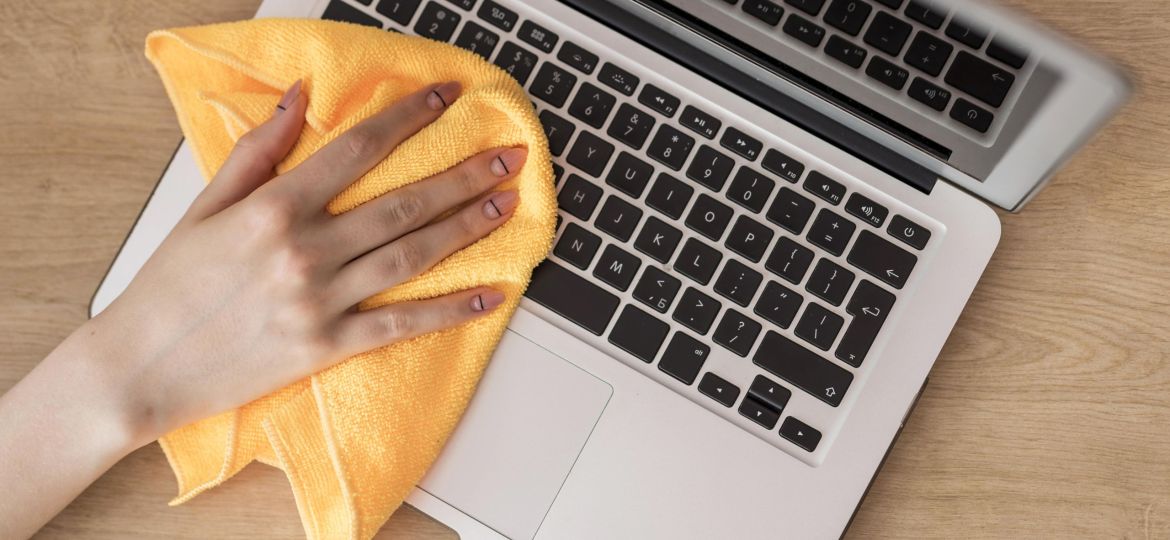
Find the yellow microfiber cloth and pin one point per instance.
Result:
(356, 438)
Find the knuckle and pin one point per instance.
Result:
(272, 216)
(404, 256)
(470, 223)
(296, 266)
(250, 139)
(404, 207)
(467, 180)
(398, 324)
(362, 140)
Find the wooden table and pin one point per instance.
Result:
(1048, 413)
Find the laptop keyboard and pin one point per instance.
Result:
(914, 47)
(681, 236)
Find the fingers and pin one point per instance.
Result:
(345, 159)
(404, 210)
(416, 252)
(362, 331)
(255, 155)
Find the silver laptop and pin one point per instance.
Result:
(772, 213)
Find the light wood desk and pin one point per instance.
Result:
(1048, 414)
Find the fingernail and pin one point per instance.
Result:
(487, 300)
(289, 97)
(443, 96)
(500, 204)
(508, 161)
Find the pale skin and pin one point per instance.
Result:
(255, 288)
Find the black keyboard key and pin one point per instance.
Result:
(631, 125)
(778, 304)
(866, 210)
(819, 326)
(572, 297)
(341, 11)
(657, 289)
(537, 36)
(1007, 53)
(577, 246)
(830, 281)
(789, 260)
(887, 73)
(892, 4)
(579, 197)
(741, 143)
(869, 307)
(477, 39)
(709, 217)
(736, 332)
(981, 79)
(590, 153)
(800, 434)
(710, 168)
(927, 93)
(698, 261)
(558, 172)
(464, 4)
(670, 146)
(553, 84)
(658, 239)
(618, 218)
(558, 130)
(766, 11)
(770, 393)
(438, 23)
(750, 189)
(592, 105)
(718, 389)
(758, 412)
(639, 333)
(629, 174)
(738, 283)
(399, 11)
(669, 195)
(926, 14)
(684, 358)
(617, 267)
(577, 57)
(812, 7)
(779, 163)
(794, 363)
(659, 100)
(517, 61)
(824, 187)
(790, 210)
(845, 51)
(966, 34)
(749, 238)
(617, 78)
(497, 15)
(888, 33)
(831, 232)
(804, 30)
(700, 122)
(928, 53)
(972, 115)
(911, 233)
(880, 258)
(848, 15)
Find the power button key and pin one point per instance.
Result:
(909, 232)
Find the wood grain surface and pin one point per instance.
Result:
(1047, 415)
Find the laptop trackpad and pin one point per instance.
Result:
(522, 432)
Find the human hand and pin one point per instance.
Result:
(257, 285)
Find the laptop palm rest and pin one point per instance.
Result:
(520, 436)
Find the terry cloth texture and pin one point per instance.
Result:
(356, 438)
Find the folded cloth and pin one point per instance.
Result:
(356, 438)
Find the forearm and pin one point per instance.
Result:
(61, 427)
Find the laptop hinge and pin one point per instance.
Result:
(625, 21)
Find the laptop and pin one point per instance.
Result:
(771, 216)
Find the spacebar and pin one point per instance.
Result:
(572, 297)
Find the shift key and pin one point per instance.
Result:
(792, 362)
(572, 297)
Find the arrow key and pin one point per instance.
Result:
(769, 393)
(758, 412)
(718, 389)
(800, 434)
